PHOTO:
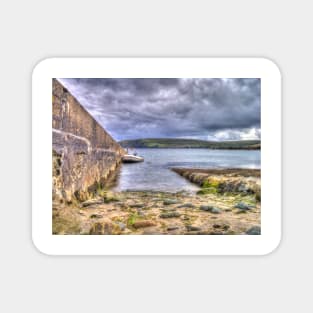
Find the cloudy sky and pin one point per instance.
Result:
(209, 109)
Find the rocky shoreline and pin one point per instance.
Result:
(223, 181)
(227, 204)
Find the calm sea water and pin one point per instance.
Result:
(154, 172)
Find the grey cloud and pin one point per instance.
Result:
(171, 107)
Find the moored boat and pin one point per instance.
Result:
(131, 158)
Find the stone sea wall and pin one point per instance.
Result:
(84, 154)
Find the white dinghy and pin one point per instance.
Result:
(131, 158)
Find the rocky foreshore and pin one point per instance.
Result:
(227, 204)
(223, 181)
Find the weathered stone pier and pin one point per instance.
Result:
(84, 154)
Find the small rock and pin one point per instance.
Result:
(210, 208)
(243, 188)
(121, 225)
(142, 224)
(140, 213)
(172, 228)
(92, 202)
(241, 212)
(216, 211)
(243, 206)
(170, 214)
(170, 201)
(205, 207)
(193, 228)
(136, 205)
(109, 199)
(255, 230)
(186, 205)
(167, 209)
(96, 216)
(221, 226)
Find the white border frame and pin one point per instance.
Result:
(149, 68)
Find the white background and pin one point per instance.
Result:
(262, 68)
(33, 30)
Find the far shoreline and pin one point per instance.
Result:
(179, 143)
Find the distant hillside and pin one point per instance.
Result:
(190, 143)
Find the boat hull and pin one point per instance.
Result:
(132, 159)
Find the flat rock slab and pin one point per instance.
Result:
(209, 208)
(96, 216)
(243, 206)
(171, 228)
(137, 205)
(142, 224)
(186, 205)
(193, 228)
(170, 201)
(92, 202)
(170, 214)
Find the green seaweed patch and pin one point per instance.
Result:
(205, 191)
(133, 218)
(210, 183)
(209, 186)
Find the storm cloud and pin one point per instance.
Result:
(212, 109)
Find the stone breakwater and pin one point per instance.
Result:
(227, 204)
(84, 154)
(223, 181)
